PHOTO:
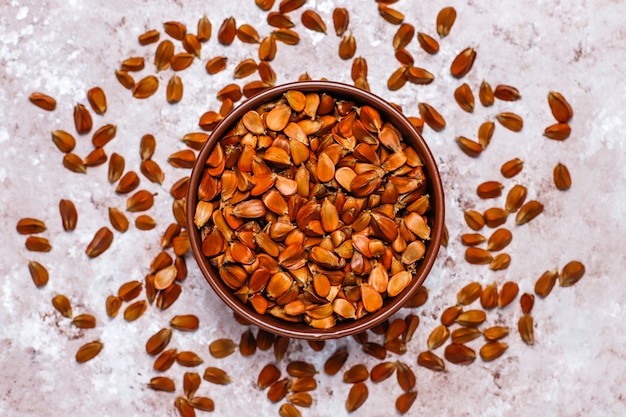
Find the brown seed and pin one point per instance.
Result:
(419, 76)
(88, 351)
(431, 117)
(162, 383)
(163, 55)
(515, 198)
(268, 376)
(202, 404)
(471, 318)
(357, 396)
(506, 93)
(286, 36)
(27, 226)
(145, 87)
(215, 65)
(151, 36)
(558, 131)
(485, 133)
(188, 359)
(135, 310)
(82, 119)
(247, 344)
(245, 68)
(38, 273)
(185, 323)
(495, 216)
(450, 314)
(181, 61)
(100, 242)
(84, 321)
(289, 410)
(116, 167)
(287, 6)
(463, 63)
(303, 384)
(313, 21)
(495, 333)
(403, 36)
(152, 171)
(431, 361)
(301, 399)
(405, 376)
(140, 201)
(165, 277)
(267, 48)
(128, 183)
(428, 43)
(165, 360)
(561, 177)
(474, 219)
(216, 376)
(571, 273)
(63, 305)
(478, 256)
(459, 354)
(464, 97)
(341, 20)
(485, 94)
(507, 294)
(528, 211)
(158, 342)
(397, 79)
(445, 20)
(63, 140)
(561, 109)
(546, 282)
(145, 222)
(469, 293)
(510, 121)
(438, 337)
(392, 16)
(405, 401)
(499, 239)
(265, 4)
(191, 43)
(97, 100)
(525, 328)
(278, 390)
(191, 383)
(472, 239)
(37, 244)
(95, 158)
(248, 34)
(279, 20)
(133, 64)
(231, 91)
(465, 335)
(347, 47)
(300, 369)
(126, 79)
(118, 219)
(43, 101)
(174, 92)
(129, 290)
(500, 261)
(527, 301)
(511, 168)
(334, 363)
(176, 30)
(469, 147)
(355, 374)
(382, 371)
(113, 305)
(489, 189)
(221, 348)
(492, 350)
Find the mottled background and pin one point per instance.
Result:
(63, 48)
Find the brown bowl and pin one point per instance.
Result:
(435, 213)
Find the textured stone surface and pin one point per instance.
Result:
(63, 48)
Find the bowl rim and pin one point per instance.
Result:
(434, 185)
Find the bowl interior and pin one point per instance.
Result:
(435, 214)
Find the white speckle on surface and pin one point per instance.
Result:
(22, 13)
